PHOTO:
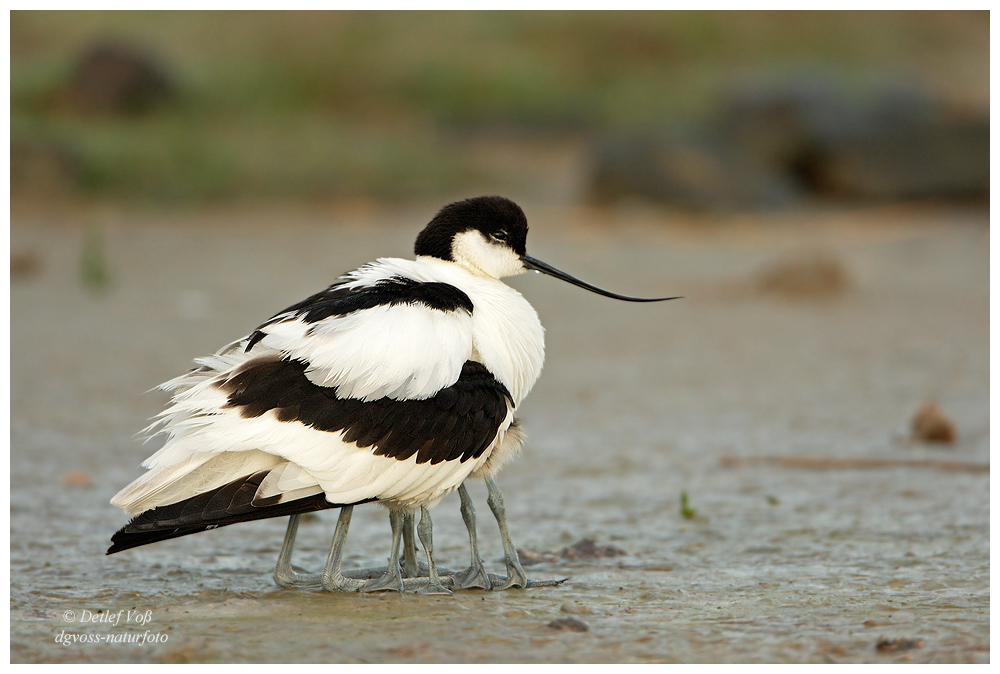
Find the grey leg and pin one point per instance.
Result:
(411, 569)
(284, 575)
(425, 530)
(516, 577)
(368, 579)
(392, 579)
(475, 575)
(332, 578)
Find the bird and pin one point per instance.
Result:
(396, 384)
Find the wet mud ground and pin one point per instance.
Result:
(819, 528)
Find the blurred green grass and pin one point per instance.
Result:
(306, 104)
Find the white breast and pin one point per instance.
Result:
(507, 336)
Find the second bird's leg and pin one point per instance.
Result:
(392, 579)
(411, 568)
(425, 530)
(475, 575)
(332, 579)
(284, 574)
(516, 577)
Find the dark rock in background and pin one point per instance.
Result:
(688, 169)
(120, 79)
(945, 155)
(770, 144)
(781, 123)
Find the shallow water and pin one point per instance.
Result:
(780, 563)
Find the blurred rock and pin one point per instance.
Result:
(783, 122)
(930, 424)
(805, 275)
(568, 625)
(689, 170)
(115, 78)
(775, 140)
(583, 549)
(887, 645)
(586, 548)
(940, 156)
(894, 144)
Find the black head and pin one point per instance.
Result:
(499, 219)
(501, 249)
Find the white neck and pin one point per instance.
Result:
(481, 257)
(507, 336)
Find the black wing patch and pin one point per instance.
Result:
(459, 422)
(229, 504)
(338, 300)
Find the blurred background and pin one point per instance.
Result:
(702, 111)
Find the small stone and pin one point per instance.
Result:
(568, 625)
(931, 425)
(886, 645)
(587, 549)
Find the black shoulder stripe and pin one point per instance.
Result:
(229, 504)
(460, 422)
(337, 300)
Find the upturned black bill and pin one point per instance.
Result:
(537, 265)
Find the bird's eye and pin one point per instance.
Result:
(500, 236)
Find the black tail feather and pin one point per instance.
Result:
(229, 504)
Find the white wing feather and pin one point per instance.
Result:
(405, 352)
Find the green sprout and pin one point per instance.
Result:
(687, 512)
